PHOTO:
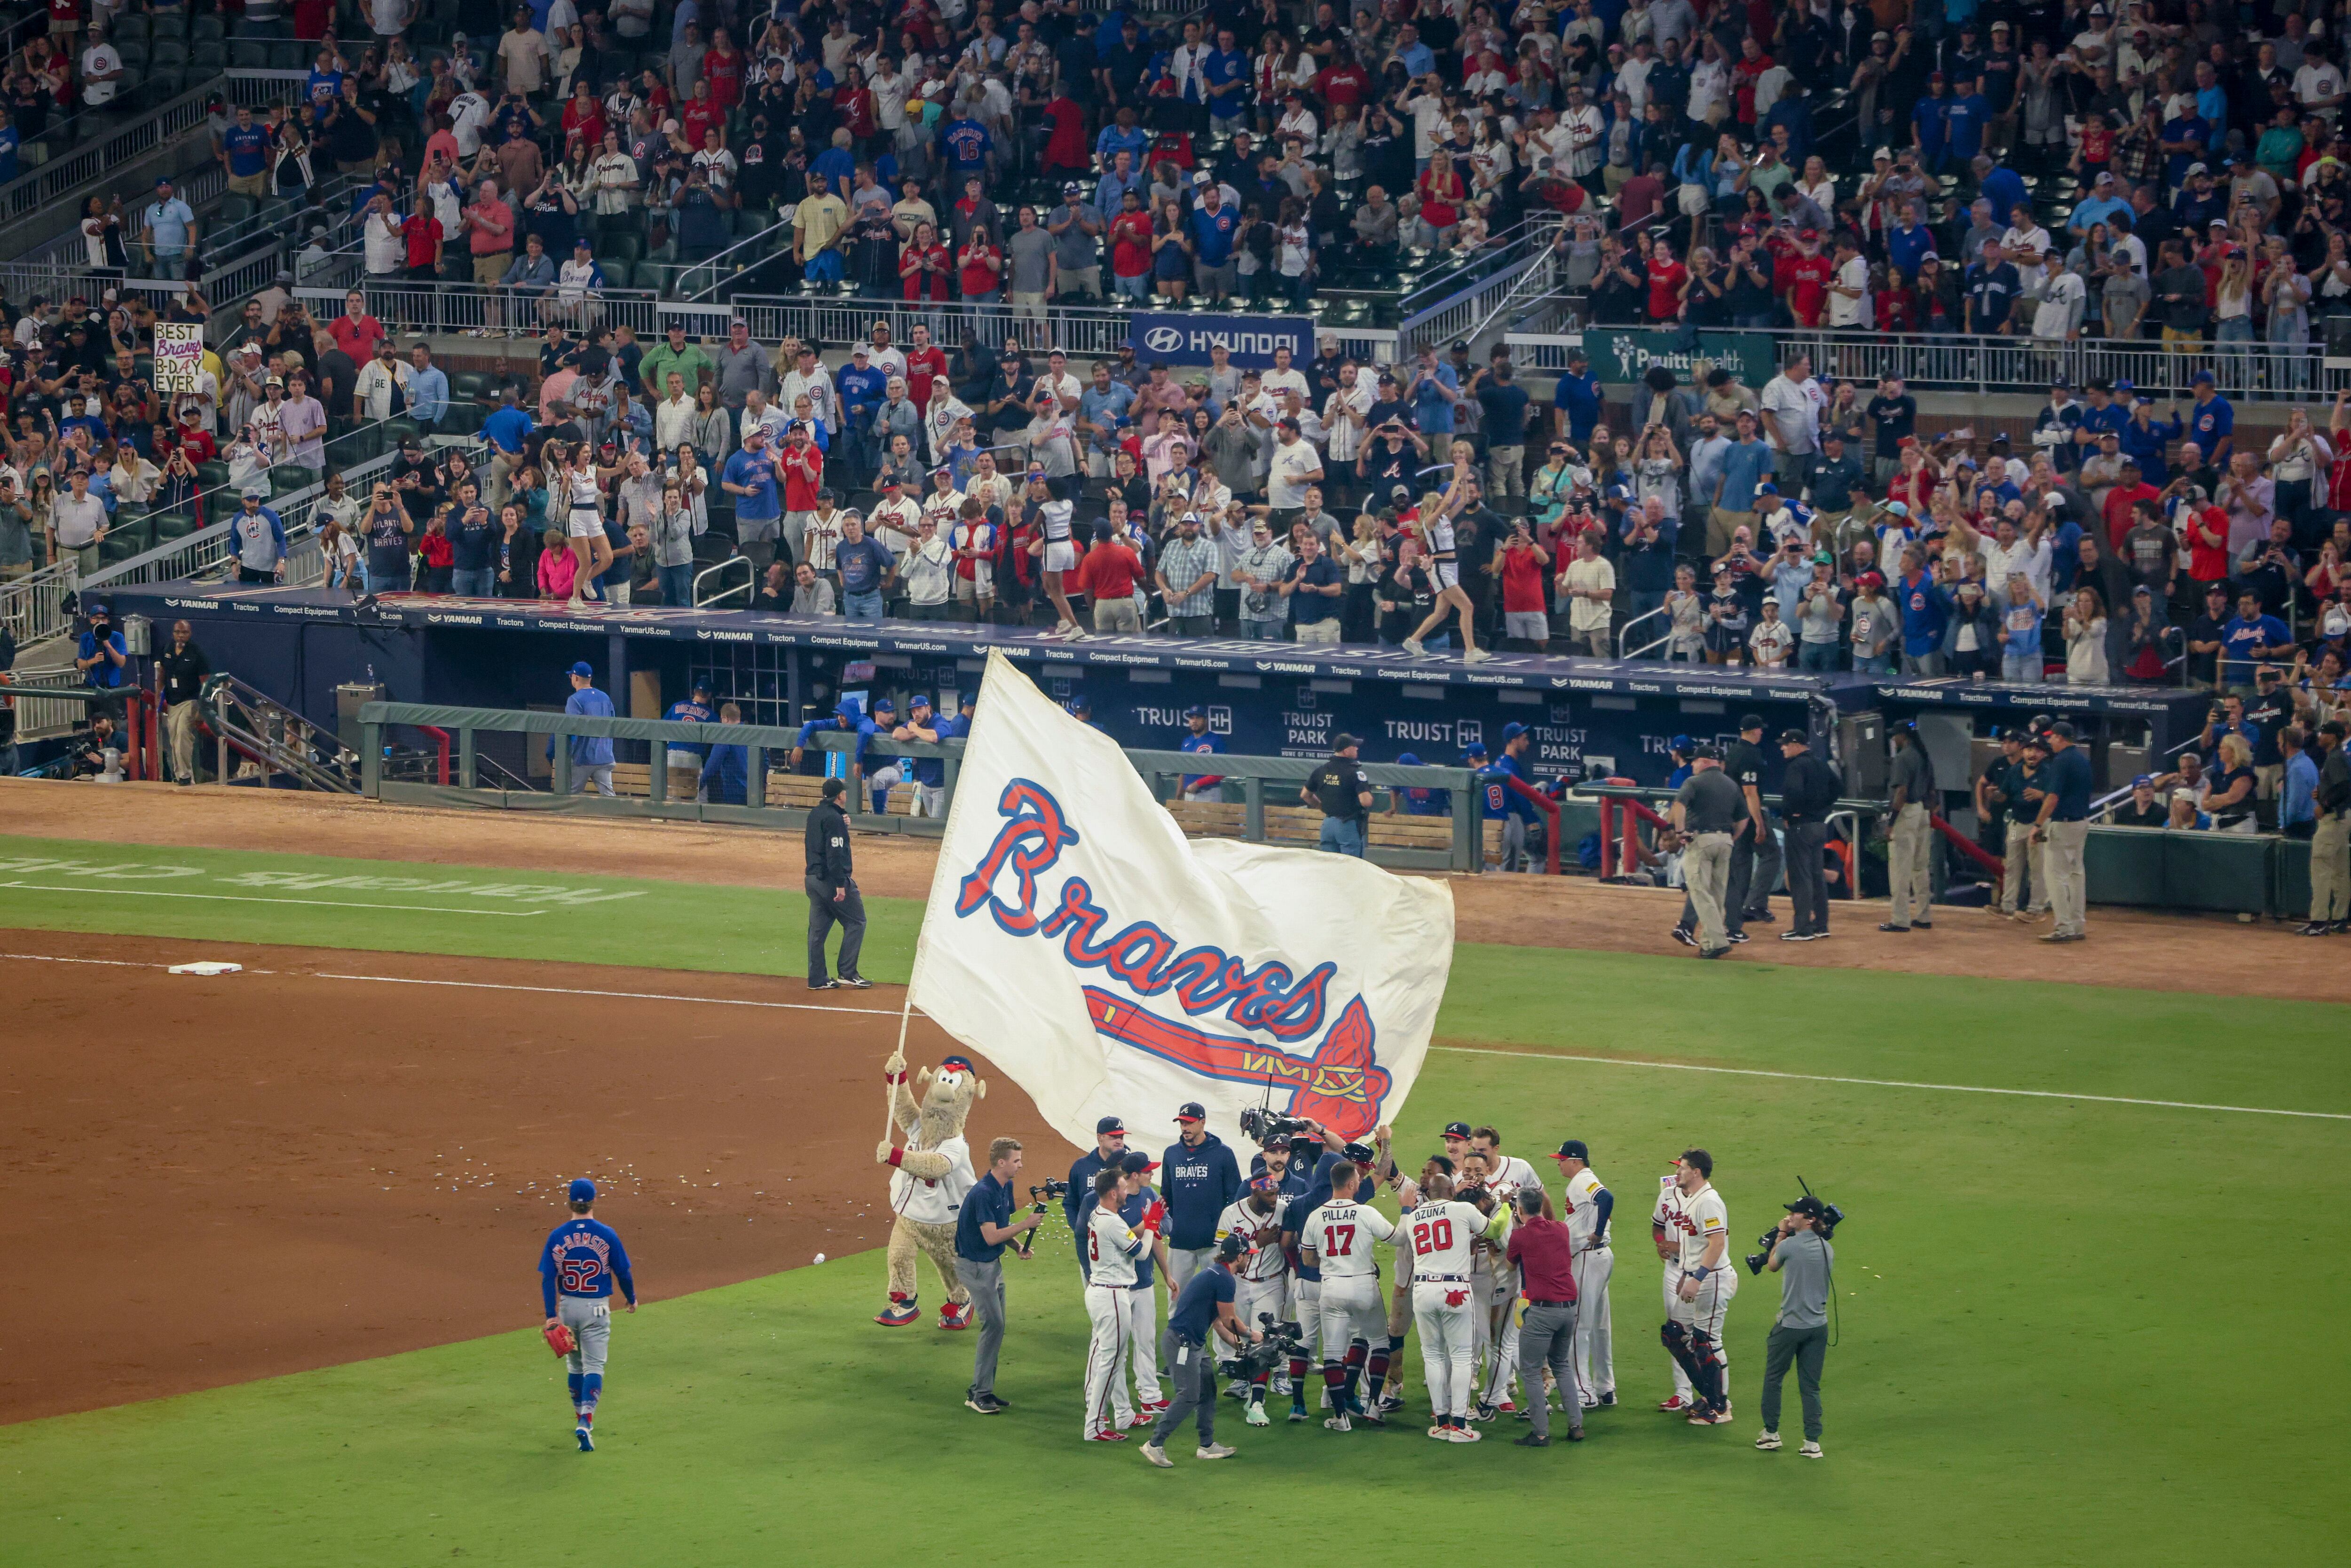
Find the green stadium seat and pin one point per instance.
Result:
(291, 54)
(464, 419)
(288, 478)
(207, 55)
(129, 28)
(208, 25)
(212, 475)
(235, 208)
(249, 55)
(173, 25)
(166, 82)
(170, 525)
(629, 244)
(468, 385)
(132, 50)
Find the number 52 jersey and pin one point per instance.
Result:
(584, 1257)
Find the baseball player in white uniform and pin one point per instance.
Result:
(1699, 1227)
(1495, 1343)
(1261, 1274)
(1141, 1208)
(1111, 1247)
(1441, 1233)
(1589, 1206)
(1662, 1221)
(1337, 1239)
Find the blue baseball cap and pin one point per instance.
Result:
(581, 1190)
(1767, 488)
(1407, 759)
(701, 689)
(2202, 379)
(1512, 730)
(1195, 711)
(1681, 743)
(2143, 780)
(1474, 749)
(1107, 1125)
(883, 705)
(582, 670)
(920, 699)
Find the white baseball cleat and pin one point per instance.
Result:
(1158, 1456)
(1442, 1434)
(1214, 1451)
(1464, 1435)
(1681, 1403)
(1140, 1418)
(1255, 1416)
(1338, 1423)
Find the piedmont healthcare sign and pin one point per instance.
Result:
(1113, 967)
(1185, 338)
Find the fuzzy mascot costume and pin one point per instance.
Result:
(933, 1174)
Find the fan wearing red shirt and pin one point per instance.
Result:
(355, 331)
(583, 117)
(1441, 195)
(423, 234)
(1523, 563)
(1802, 279)
(722, 67)
(2208, 540)
(1666, 278)
(1065, 148)
(802, 467)
(1108, 576)
(983, 266)
(924, 270)
(2122, 498)
(1346, 83)
(1130, 245)
(700, 114)
(926, 362)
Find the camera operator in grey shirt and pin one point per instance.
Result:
(1805, 1263)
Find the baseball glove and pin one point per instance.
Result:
(560, 1340)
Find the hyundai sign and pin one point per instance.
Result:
(1185, 338)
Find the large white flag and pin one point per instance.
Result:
(1114, 967)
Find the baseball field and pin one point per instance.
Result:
(272, 1234)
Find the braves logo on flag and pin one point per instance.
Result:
(1338, 1083)
(1111, 966)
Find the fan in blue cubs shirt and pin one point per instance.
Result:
(579, 1265)
(1196, 739)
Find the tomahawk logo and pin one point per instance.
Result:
(1337, 1081)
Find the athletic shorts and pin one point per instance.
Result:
(585, 525)
(1449, 574)
(1060, 555)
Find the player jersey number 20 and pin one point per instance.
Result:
(1433, 1235)
(1338, 1241)
(579, 1275)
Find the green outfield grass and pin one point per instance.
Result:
(2072, 1330)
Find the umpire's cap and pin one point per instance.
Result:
(833, 787)
(1794, 737)
(1748, 721)
(1705, 754)
(581, 1190)
(1573, 1149)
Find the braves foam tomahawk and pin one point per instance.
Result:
(1114, 967)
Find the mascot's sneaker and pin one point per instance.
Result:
(954, 1317)
(587, 1440)
(1158, 1456)
(1214, 1451)
(1255, 1416)
(897, 1315)
(1678, 1403)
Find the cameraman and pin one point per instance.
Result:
(1803, 1258)
(983, 1225)
(1204, 1310)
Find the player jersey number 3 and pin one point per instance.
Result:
(1338, 1241)
(1432, 1236)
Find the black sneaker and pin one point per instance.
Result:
(1736, 937)
(1795, 936)
(1605, 1400)
(1924, 924)
(1765, 916)
(824, 985)
(1534, 1440)
(1683, 934)
(1889, 925)
(856, 982)
(984, 1403)
(2315, 928)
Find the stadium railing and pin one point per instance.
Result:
(1948, 363)
(407, 305)
(1086, 332)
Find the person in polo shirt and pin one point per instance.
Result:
(750, 477)
(984, 1224)
(2062, 823)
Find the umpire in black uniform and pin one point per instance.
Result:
(1808, 790)
(833, 899)
(1749, 894)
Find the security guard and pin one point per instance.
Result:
(1911, 795)
(1808, 791)
(1340, 787)
(1705, 810)
(2064, 824)
(2330, 842)
(1748, 897)
(832, 893)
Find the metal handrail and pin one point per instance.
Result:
(97, 156)
(718, 279)
(744, 588)
(1626, 631)
(273, 737)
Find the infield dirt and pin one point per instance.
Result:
(276, 1171)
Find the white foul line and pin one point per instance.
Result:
(240, 898)
(1892, 1082)
(629, 996)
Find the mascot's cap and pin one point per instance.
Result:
(1109, 1124)
(1191, 1111)
(1573, 1149)
(581, 1190)
(957, 1063)
(1457, 1130)
(1136, 1161)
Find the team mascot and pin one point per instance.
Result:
(933, 1174)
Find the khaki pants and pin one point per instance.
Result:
(1719, 526)
(1705, 872)
(1909, 864)
(254, 185)
(1506, 471)
(2069, 889)
(2023, 856)
(2330, 868)
(180, 736)
(1116, 615)
(2267, 777)
(2181, 342)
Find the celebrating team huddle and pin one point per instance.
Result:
(1507, 1286)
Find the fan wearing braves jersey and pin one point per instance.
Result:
(1442, 1234)
(1589, 1206)
(1699, 1227)
(1111, 1247)
(1261, 1274)
(580, 1263)
(1337, 1239)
